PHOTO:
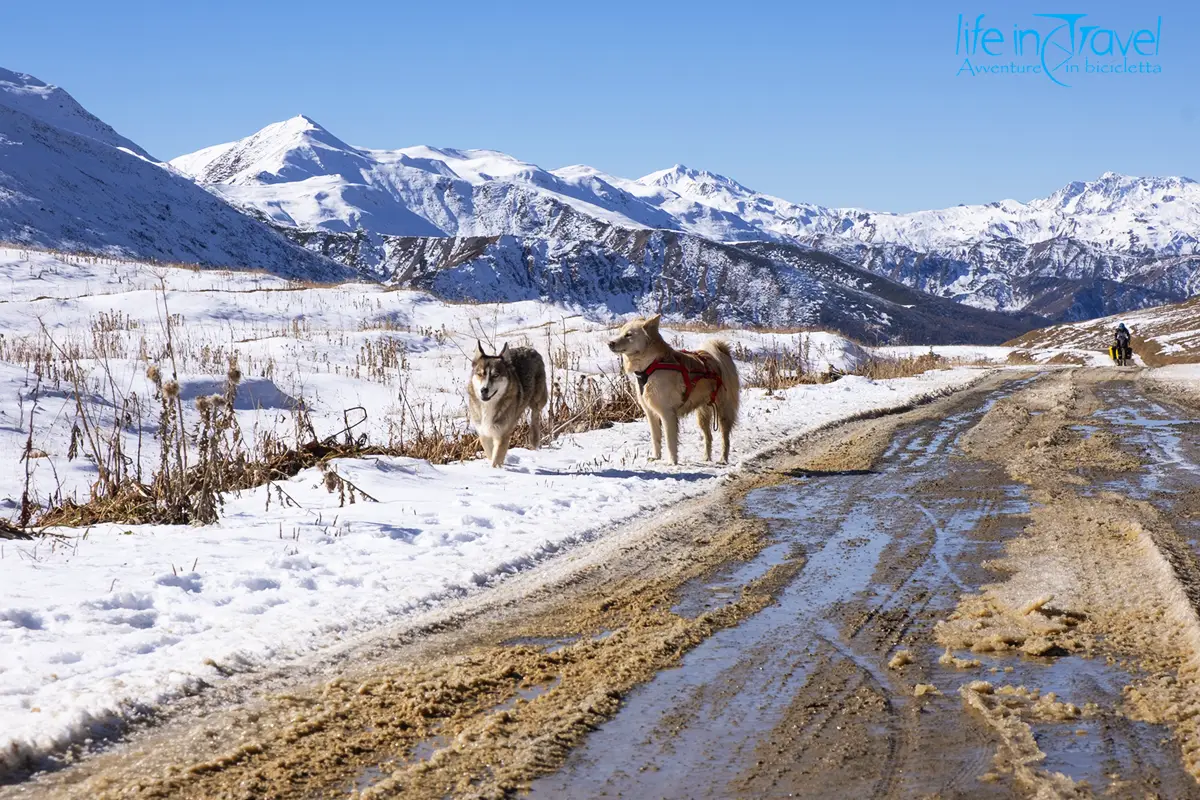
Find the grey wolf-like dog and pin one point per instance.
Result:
(501, 389)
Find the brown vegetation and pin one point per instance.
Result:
(203, 452)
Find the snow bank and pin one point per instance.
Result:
(1185, 376)
(976, 354)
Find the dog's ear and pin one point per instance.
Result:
(479, 349)
(651, 323)
(504, 349)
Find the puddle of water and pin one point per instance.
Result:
(1107, 744)
(700, 595)
(369, 777)
(550, 644)
(1165, 438)
(421, 751)
(713, 680)
(528, 693)
(424, 749)
(1162, 435)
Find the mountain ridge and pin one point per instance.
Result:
(69, 181)
(1119, 231)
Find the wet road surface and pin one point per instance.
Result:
(799, 699)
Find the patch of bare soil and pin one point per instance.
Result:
(1096, 574)
(830, 733)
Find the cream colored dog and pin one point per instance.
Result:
(674, 383)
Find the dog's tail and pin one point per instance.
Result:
(731, 386)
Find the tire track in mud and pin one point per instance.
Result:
(891, 589)
(1099, 600)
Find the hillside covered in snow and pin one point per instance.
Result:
(1090, 248)
(1162, 335)
(69, 181)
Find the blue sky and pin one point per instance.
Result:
(838, 103)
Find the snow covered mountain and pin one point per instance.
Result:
(55, 107)
(68, 181)
(297, 173)
(1092, 247)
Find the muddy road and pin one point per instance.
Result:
(993, 595)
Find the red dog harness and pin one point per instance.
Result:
(690, 377)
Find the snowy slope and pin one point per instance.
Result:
(53, 106)
(298, 173)
(69, 181)
(1161, 335)
(770, 217)
(99, 629)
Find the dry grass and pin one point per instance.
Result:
(1021, 357)
(780, 367)
(203, 453)
(883, 368)
(698, 326)
(1068, 358)
(160, 460)
(1152, 353)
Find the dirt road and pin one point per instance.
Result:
(993, 595)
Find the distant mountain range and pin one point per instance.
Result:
(1090, 248)
(482, 225)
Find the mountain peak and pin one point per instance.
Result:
(53, 106)
(292, 149)
(1115, 192)
(299, 127)
(682, 178)
(301, 123)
